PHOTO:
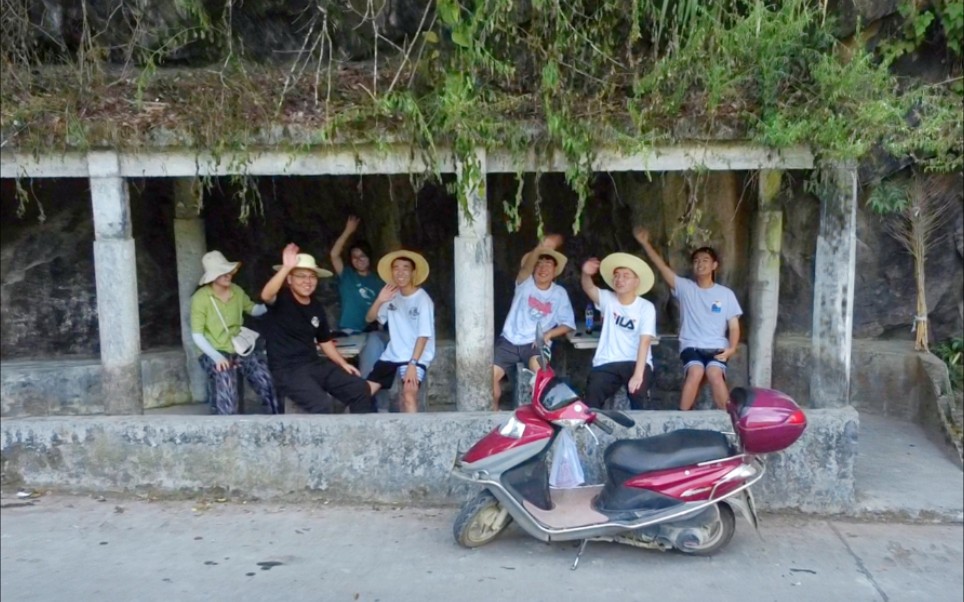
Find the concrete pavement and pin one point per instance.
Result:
(118, 549)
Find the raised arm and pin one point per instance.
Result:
(289, 259)
(551, 241)
(642, 236)
(589, 269)
(351, 225)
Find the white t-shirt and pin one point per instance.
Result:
(705, 314)
(531, 305)
(622, 328)
(408, 319)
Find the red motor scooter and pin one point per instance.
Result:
(676, 491)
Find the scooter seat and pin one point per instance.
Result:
(678, 448)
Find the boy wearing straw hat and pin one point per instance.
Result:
(709, 322)
(217, 309)
(298, 330)
(410, 314)
(537, 300)
(623, 356)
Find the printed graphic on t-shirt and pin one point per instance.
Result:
(717, 306)
(624, 322)
(539, 309)
(315, 321)
(413, 313)
(366, 293)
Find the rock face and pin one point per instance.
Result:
(47, 285)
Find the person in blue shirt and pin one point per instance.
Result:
(358, 286)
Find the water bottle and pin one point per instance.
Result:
(589, 318)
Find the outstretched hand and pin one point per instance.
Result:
(591, 266)
(387, 293)
(351, 224)
(552, 241)
(641, 235)
(289, 256)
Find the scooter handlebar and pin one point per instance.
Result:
(604, 426)
(618, 417)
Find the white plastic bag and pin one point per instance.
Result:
(566, 470)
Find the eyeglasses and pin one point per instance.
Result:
(304, 277)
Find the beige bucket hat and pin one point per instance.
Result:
(624, 260)
(215, 265)
(561, 260)
(307, 262)
(421, 266)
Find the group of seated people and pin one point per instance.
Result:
(304, 364)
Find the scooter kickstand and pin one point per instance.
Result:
(582, 548)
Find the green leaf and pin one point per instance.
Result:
(460, 36)
(448, 11)
(430, 37)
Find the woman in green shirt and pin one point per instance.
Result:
(217, 309)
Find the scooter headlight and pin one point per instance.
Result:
(513, 429)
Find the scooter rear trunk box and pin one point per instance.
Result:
(765, 420)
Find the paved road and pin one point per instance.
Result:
(78, 549)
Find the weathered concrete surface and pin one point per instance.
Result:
(67, 548)
(376, 458)
(73, 387)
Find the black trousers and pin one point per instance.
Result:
(606, 379)
(312, 386)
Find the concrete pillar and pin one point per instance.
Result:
(190, 245)
(474, 299)
(764, 285)
(833, 290)
(115, 270)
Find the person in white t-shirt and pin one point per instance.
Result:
(537, 300)
(709, 322)
(410, 315)
(623, 356)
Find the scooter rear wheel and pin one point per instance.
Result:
(720, 533)
(480, 521)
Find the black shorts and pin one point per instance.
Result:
(508, 355)
(383, 373)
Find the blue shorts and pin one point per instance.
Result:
(691, 356)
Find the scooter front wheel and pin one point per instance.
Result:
(718, 534)
(480, 521)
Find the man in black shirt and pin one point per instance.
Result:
(297, 331)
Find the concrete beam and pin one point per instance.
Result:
(358, 458)
(833, 289)
(115, 272)
(348, 160)
(474, 292)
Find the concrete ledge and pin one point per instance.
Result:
(72, 386)
(375, 458)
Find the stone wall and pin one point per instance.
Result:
(386, 458)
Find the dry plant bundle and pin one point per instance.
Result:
(915, 227)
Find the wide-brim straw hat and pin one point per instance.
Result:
(624, 260)
(215, 265)
(421, 266)
(561, 259)
(307, 262)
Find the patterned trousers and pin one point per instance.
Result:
(223, 394)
